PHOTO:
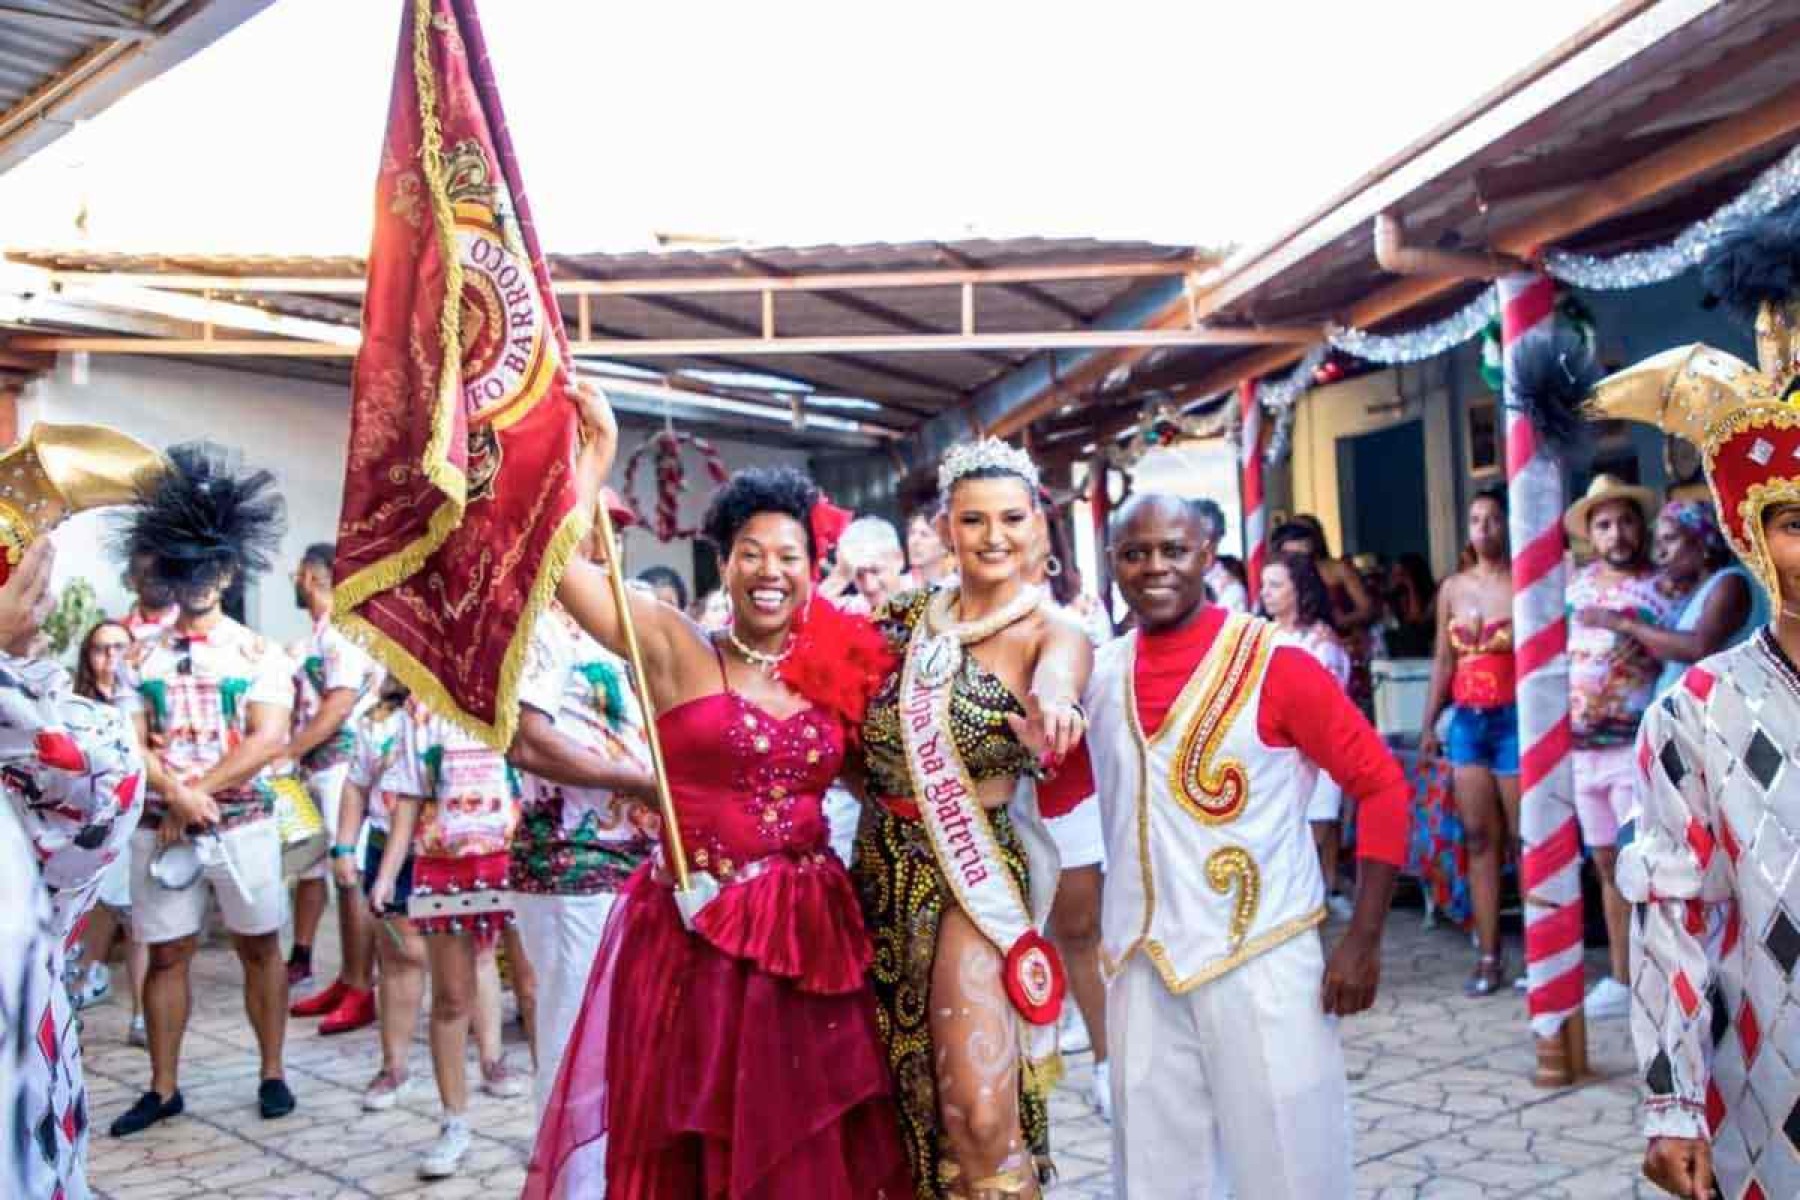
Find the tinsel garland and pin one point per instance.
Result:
(1280, 397)
(1416, 345)
(1277, 394)
(1771, 189)
(1639, 268)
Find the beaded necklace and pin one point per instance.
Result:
(759, 658)
(941, 653)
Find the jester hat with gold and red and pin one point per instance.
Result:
(1745, 420)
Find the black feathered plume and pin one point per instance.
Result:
(1754, 262)
(1552, 372)
(204, 520)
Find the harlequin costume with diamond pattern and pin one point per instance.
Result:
(1707, 863)
(72, 773)
(26, 936)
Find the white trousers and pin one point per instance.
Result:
(561, 936)
(1233, 1089)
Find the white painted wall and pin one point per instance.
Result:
(294, 428)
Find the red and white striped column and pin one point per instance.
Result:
(1551, 860)
(1250, 484)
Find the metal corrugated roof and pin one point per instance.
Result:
(62, 61)
(911, 385)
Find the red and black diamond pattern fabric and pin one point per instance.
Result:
(71, 775)
(1714, 871)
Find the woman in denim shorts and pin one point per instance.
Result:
(1472, 673)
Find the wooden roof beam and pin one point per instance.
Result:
(753, 336)
(1036, 295)
(851, 302)
(839, 347)
(750, 331)
(662, 285)
(1515, 181)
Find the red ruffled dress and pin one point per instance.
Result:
(741, 1060)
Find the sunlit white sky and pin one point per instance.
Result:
(794, 122)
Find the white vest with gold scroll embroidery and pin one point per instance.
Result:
(1210, 860)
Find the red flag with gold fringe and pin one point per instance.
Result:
(459, 495)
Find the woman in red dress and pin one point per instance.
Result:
(738, 1055)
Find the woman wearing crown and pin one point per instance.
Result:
(955, 867)
(1708, 866)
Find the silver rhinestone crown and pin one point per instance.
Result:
(969, 457)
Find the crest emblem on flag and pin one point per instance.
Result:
(459, 497)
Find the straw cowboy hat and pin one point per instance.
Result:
(1603, 489)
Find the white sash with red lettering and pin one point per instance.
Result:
(964, 844)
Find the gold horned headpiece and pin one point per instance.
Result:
(63, 469)
(987, 455)
(1744, 419)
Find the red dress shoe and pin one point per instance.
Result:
(320, 1003)
(356, 1011)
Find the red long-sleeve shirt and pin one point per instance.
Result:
(1303, 707)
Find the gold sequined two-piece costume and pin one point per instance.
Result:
(905, 895)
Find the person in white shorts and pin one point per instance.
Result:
(212, 698)
(334, 679)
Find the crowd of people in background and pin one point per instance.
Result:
(459, 871)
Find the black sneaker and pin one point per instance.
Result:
(274, 1098)
(149, 1109)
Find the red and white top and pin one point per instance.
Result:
(1206, 744)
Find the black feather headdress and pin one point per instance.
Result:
(1755, 262)
(1553, 370)
(205, 520)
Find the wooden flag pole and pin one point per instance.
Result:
(640, 682)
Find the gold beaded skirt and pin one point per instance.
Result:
(904, 898)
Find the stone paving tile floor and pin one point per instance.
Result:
(1442, 1104)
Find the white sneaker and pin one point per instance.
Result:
(445, 1156)
(1340, 906)
(1102, 1091)
(1608, 998)
(385, 1090)
(501, 1081)
(138, 1036)
(1074, 1037)
(93, 987)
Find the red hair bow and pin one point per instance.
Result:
(828, 523)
